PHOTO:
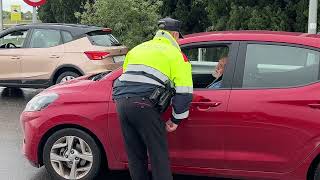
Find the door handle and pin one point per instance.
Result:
(15, 57)
(205, 106)
(316, 106)
(211, 104)
(54, 56)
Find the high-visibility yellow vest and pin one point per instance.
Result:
(162, 58)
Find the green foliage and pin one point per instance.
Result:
(218, 15)
(192, 14)
(277, 15)
(61, 11)
(132, 21)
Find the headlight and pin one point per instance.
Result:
(40, 102)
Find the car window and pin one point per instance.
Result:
(276, 66)
(204, 61)
(17, 38)
(67, 37)
(209, 54)
(102, 38)
(45, 38)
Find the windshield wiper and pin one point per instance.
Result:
(99, 76)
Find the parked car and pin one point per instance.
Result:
(263, 123)
(41, 55)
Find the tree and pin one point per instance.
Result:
(133, 21)
(277, 15)
(60, 11)
(218, 13)
(238, 18)
(168, 7)
(191, 13)
(300, 21)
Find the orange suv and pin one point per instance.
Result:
(41, 55)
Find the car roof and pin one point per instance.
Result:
(74, 29)
(299, 38)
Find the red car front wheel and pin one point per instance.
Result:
(72, 154)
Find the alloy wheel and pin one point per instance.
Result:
(67, 78)
(71, 157)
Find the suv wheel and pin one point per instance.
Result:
(72, 154)
(66, 76)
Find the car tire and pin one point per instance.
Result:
(66, 76)
(316, 174)
(55, 146)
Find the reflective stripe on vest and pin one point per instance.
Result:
(139, 78)
(181, 115)
(184, 89)
(148, 70)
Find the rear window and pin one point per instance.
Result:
(101, 38)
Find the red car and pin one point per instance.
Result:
(263, 122)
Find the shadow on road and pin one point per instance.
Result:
(42, 174)
(125, 175)
(12, 93)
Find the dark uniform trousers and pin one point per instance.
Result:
(144, 133)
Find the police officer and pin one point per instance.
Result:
(149, 71)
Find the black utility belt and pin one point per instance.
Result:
(161, 97)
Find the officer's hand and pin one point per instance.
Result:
(170, 126)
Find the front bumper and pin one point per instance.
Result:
(29, 123)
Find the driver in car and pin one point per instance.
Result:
(218, 74)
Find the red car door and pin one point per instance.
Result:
(198, 141)
(272, 108)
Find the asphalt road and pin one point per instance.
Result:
(13, 165)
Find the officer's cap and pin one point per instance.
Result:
(170, 24)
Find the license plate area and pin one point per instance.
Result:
(119, 59)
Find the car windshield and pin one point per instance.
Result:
(15, 39)
(102, 38)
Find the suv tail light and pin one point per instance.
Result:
(109, 30)
(96, 55)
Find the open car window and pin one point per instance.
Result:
(204, 61)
